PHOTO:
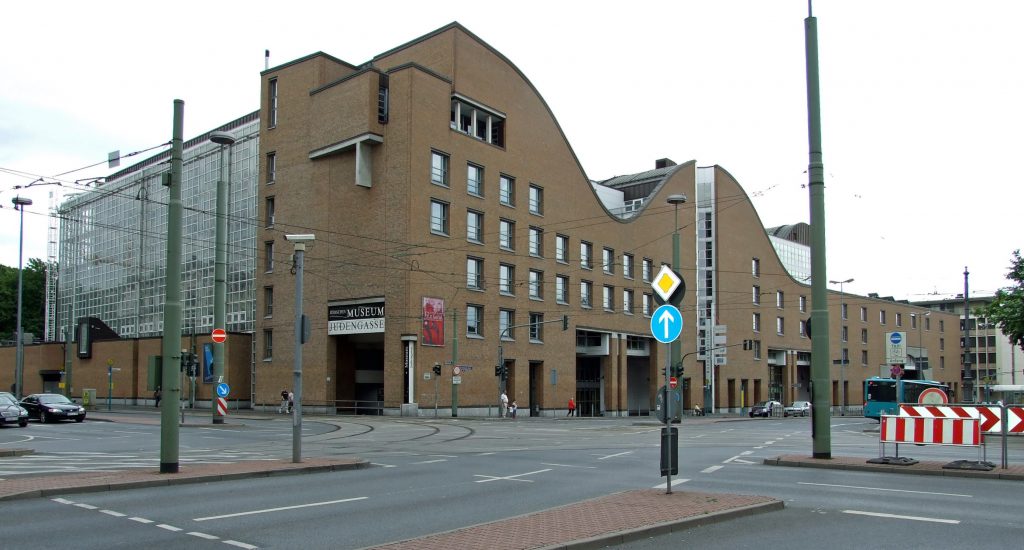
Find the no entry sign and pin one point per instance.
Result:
(219, 335)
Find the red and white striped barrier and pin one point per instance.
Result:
(222, 406)
(989, 416)
(961, 432)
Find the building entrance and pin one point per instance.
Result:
(359, 374)
(588, 386)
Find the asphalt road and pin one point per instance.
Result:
(436, 475)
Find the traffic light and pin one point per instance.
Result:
(565, 322)
(677, 369)
(748, 345)
(500, 370)
(437, 369)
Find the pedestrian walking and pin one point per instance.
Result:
(512, 409)
(504, 405)
(572, 407)
(156, 397)
(291, 402)
(284, 402)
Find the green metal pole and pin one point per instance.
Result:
(171, 343)
(455, 361)
(820, 363)
(220, 284)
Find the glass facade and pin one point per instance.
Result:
(113, 245)
(795, 257)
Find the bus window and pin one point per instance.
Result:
(881, 391)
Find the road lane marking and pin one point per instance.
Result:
(430, 461)
(62, 500)
(885, 489)
(113, 513)
(241, 544)
(509, 478)
(279, 509)
(674, 483)
(745, 453)
(86, 506)
(141, 520)
(567, 465)
(615, 455)
(711, 469)
(169, 527)
(382, 465)
(896, 516)
(203, 535)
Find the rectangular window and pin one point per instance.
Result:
(474, 320)
(506, 279)
(928, 324)
(268, 344)
(803, 304)
(942, 344)
(268, 256)
(647, 304)
(269, 212)
(477, 121)
(585, 252)
(646, 268)
(507, 234)
(863, 336)
(561, 249)
(586, 293)
(863, 314)
(627, 266)
(780, 325)
(608, 298)
(843, 311)
(803, 328)
(536, 242)
(536, 327)
(881, 316)
(845, 336)
(899, 319)
(506, 320)
(536, 284)
(272, 102)
(756, 322)
(755, 267)
(608, 261)
(536, 200)
(268, 301)
(507, 190)
(475, 180)
(271, 167)
(474, 226)
(439, 168)
(627, 302)
(780, 299)
(438, 217)
(382, 99)
(474, 273)
(561, 289)
(756, 293)
(757, 349)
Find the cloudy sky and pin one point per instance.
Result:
(921, 104)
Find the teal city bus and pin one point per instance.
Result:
(883, 395)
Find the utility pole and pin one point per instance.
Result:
(171, 343)
(300, 338)
(220, 284)
(820, 369)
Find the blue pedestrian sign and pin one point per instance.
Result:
(666, 324)
(222, 390)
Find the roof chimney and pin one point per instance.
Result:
(664, 163)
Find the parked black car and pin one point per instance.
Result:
(765, 408)
(11, 412)
(52, 406)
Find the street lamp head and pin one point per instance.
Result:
(222, 138)
(676, 199)
(300, 238)
(841, 282)
(21, 201)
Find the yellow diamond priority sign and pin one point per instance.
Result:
(666, 282)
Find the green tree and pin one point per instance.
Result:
(1007, 310)
(33, 299)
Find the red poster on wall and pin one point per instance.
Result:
(433, 321)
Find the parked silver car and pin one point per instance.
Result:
(11, 412)
(798, 408)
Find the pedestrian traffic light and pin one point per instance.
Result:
(437, 369)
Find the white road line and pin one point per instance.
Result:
(86, 506)
(509, 478)
(885, 489)
(141, 520)
(711, 469)
(430, 461)
(62, 500)
(297, 506)
(745, 453)
(674, 483)
(241, 544)
(567, 465)
(615, 455)
(382, 465)
(203, 535)
(169, 527)
(113, 513)
(895, 516)
(728, 460)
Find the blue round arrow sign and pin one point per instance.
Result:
(666, 323)
(222, 390)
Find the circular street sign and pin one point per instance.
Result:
(223, 389)
(672, 382)
(666, 324)
(895, 371)
(895, 338)
(219, 335)
(933, 396)
(456, 371)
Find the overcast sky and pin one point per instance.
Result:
(922, 113)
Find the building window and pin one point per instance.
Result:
(780, 325)
(863, 314)
(438, 217)
(803, 328)
(268, 344)
(536, 327)
(627, 266)
(271, 167)
(757, 349)
(536, 283)
(475, 320)
(608, 261)
(755, 267)
(646, 269)
(881, 316)
(536, 200)
(803, 304)
(627, 301)
(561, 249)
(268, 253)
(756, 293)
(477, 121)
(756, 322)
(843, 311)
(608, 298)
(586, 293)
(475, 180)
(507, 190)
(780, 299)
(586, 250)
(439, 168)
(269, 211)
(475, 226)
(268, 301)
(272, 102)
(474, 273)
(506, 320)
(536, 242)
(506, 279)
(899, 319)
(942, 344)
(382, 99)
(863, 336)
(864, 357)
(647, 304)
(561, 289)
(845, 333)
(928, 323)
(507, 234)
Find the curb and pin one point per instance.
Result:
(932, 468)
(16, 452)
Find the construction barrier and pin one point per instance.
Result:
(961, 432)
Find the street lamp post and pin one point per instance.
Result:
(300, 251)
(220, 285)
(842, 353)
(675, 348)
(19, 362)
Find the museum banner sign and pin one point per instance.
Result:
(361, 318)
